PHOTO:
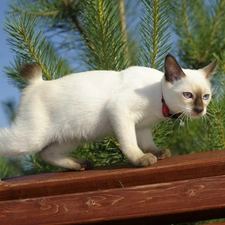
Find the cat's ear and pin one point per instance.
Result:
(210, 69)
(173, 71)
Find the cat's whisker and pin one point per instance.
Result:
(203, 118)
(209, 114)
(206, 117)
(174, 124)
(188, 116)
(187, 120)
(182, 120)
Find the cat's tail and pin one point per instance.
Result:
(15, 142)
(9, 144)
(31, 72)
(20, 138)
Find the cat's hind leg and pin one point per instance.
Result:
(146, 143)
(55, 154)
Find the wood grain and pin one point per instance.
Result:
(165, 203)
(171, 169)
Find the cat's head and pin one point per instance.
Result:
(187, 91)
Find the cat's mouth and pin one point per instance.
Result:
(196, 113)
(193, 113)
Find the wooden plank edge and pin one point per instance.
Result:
(178, 201)
(172, 169)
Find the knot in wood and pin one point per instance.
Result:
(90, 202)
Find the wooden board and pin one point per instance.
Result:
(164, 203)
(171, 169)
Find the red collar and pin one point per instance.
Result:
(166, 110)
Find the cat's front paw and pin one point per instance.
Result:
(164, 153)
(160, 153)
(146, 160)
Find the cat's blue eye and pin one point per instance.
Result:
(206, 97)
(187, 94)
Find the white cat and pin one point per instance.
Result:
(54, 117)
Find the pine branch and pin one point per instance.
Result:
(216, 25)
(185, 14)
(34, 164)
(155, 45)
(36, 8)
(102, 27)
(216, 125)
(105, 152)
(198, 26)
(65, 16)
(61, 19)
(74, 18)
(10, 168)
(122, 14)
(155, 34)
(9, 108)
(31, 46)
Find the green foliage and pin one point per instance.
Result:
(98, 35)
(103, 153)
(106, 46)
(154, 45)
(155, 34)
(34, 165)
(199, 26)
(215, 125)
(9, 107)
(190, 138)
(10, 168)
(31, 46)
(60, 21)
(162, 131)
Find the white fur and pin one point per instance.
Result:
(56, 116)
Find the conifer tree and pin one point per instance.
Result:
(198, 25)
(112, 35)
